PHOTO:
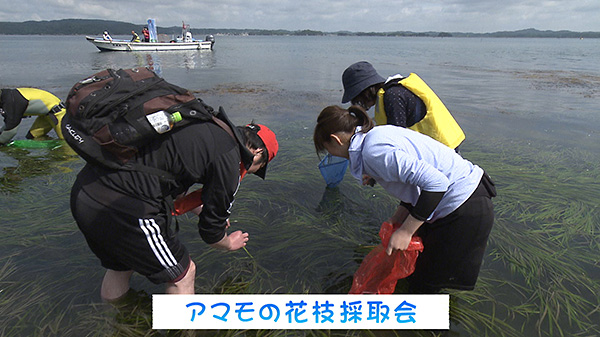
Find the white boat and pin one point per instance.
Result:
(124, 45)
(157, 42)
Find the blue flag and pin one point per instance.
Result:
(152, 29)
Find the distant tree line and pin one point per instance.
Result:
(96, 27)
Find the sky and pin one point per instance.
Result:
(476, 16)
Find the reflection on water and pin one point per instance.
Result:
(187, 59)
(153, 63)
(30, 163)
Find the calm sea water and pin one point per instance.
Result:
(551, 86)
(527, 93)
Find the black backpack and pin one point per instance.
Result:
(107, 116)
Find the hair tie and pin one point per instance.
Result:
(352, 114)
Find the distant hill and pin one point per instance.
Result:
(84, 27)
(96, 27)
(537, 33)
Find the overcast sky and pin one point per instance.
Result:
(478, 16)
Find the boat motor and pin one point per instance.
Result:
(211, 39)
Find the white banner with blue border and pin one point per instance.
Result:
(296, 311)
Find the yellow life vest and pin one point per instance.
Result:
(438, 123)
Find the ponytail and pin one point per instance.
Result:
(337, 119)
(361, 115)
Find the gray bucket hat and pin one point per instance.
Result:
(357, 78)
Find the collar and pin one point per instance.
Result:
(355, 152)
(393, 77)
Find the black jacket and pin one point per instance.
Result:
(201, 153)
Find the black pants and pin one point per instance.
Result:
(139, 241)
(455, 245)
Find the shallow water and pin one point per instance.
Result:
(529, 109)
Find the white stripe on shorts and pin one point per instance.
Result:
(157, 243)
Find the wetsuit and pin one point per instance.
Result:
(27, 102)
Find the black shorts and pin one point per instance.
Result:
(455, 245)
(140, 242)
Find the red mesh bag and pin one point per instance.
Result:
(379, 272)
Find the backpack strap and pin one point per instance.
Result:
(161, 174)
(57, 108)
(224, 126)
(167, 176)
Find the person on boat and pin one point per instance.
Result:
(19, 103)
(210, 38)
(106, 36)
(134, 36)
(146, 34)
(125, 216)
(401, 101)
(444, 198)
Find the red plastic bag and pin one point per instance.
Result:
(379, 272)
(188, 202)
(194, 199)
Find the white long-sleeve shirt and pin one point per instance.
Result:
(404, 162)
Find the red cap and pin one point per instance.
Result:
(268, 137)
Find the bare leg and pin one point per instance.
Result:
(186, 284)
(115, 284)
